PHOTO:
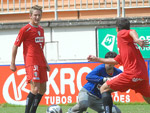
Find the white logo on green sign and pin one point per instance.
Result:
(108, 42)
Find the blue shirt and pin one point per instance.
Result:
(95, 79)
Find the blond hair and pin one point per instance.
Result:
(36, 7)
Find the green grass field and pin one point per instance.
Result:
(125, 108)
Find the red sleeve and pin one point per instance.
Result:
(130, 39)
(118, 59)
(19, 38)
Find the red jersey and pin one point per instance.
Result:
(33, 43)
(130, 57)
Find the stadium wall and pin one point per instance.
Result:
(63, 44)
(67, 42)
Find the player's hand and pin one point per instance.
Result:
(92, 58)
(13, 67)
(48, 67)
(143, 43)
(106, 78)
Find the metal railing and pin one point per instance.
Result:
(23, 6)
(128, 4)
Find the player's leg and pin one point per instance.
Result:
(35, 80)
(31, 96)
(74, 109)
(82, 104)
(147, 91)
(117, 83)
(106, 98)
(115, 109)
(30, 73)
(96, 104)
(38, 97)
(147, 99)
(42, 73)
(143, 87)
(29, 102)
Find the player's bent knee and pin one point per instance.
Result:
(42, 91)
(83, 105)
(35, 90)
(42, 88)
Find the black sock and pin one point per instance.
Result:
(36, 102)
(29, 101)
(107, 102)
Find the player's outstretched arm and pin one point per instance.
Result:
(13, 58)
(92, 58)
(142, 43)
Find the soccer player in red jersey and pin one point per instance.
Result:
(135, 75)
(32, 37)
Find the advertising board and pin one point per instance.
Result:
(107, 40)
(64, 83)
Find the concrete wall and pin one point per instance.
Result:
(66, 41)
(63, 44)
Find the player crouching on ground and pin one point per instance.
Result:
(89, 95)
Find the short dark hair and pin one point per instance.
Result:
(111, 54)
(122, 23)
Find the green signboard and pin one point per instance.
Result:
(107, 40)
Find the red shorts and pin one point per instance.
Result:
(122, 83)
(36, 73)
